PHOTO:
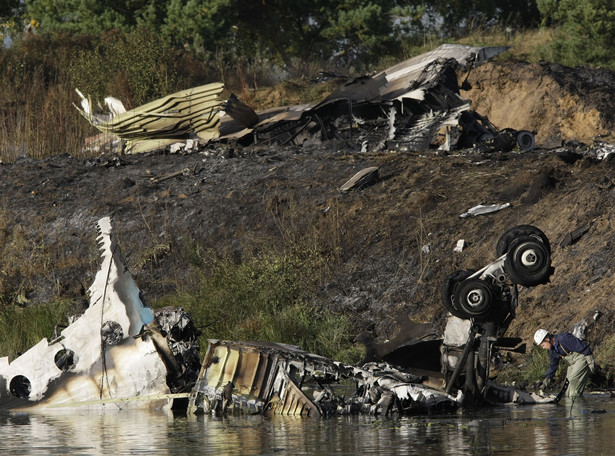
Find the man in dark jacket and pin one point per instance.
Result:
(576, 352)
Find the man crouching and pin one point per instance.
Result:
(576, 352)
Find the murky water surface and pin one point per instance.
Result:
(583, 427)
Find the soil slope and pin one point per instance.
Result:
(559, 103)
(227, 198)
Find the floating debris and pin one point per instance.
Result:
(259, 377)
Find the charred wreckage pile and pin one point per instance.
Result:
(122, 354)
(414, 105)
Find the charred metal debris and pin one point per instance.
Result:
(257, 377)
(414, 105)
(122, 354)
(118, 354)
(416, 372)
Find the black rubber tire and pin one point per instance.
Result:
(449, 292)
(520, 230)
(475, 297)
(528, 262)
(526, 140)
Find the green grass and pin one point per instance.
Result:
(23, 327)
(267, 293)
(530, 369)
(267, 297)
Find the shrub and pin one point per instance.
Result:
(266, 297)
(531, 369)
(136, 67)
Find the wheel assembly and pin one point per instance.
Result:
(528, 262)
(449, 292)
(488, 297)
(517, 231)
(475, 297)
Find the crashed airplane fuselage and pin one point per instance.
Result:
(188, 114)
(122, 354)
(414, 105)
(111, 356)
(259, 377)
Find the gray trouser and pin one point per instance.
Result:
(577, 374)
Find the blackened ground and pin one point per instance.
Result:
(395, 237)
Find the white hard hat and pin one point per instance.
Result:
(540, 335)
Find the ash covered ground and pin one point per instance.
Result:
(225, 198)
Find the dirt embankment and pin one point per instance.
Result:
(229, 198)
(558, 102)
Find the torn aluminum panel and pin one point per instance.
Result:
(258, 377)
(459, 246)
(191, 113)
(483, 209)
(409, 79)
(498, 394)
(466, 56)
(406, 105)
(113, 356)
(362, 179)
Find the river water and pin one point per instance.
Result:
(584, 426)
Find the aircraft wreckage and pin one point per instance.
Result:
(118, 353)
(122, 354)
(413, 105)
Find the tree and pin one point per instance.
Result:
(292, 31)
(459, 16)
(135, 67)
(289, 31)
(10, 11)
(95, 16)
(199, 24)
(9, 8)
(586, 30)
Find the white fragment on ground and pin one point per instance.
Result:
(482, 209)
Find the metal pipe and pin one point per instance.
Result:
(469, 346)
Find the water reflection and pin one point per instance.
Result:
(580, 427)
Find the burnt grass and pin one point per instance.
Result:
(225, 199)
(393, 239)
